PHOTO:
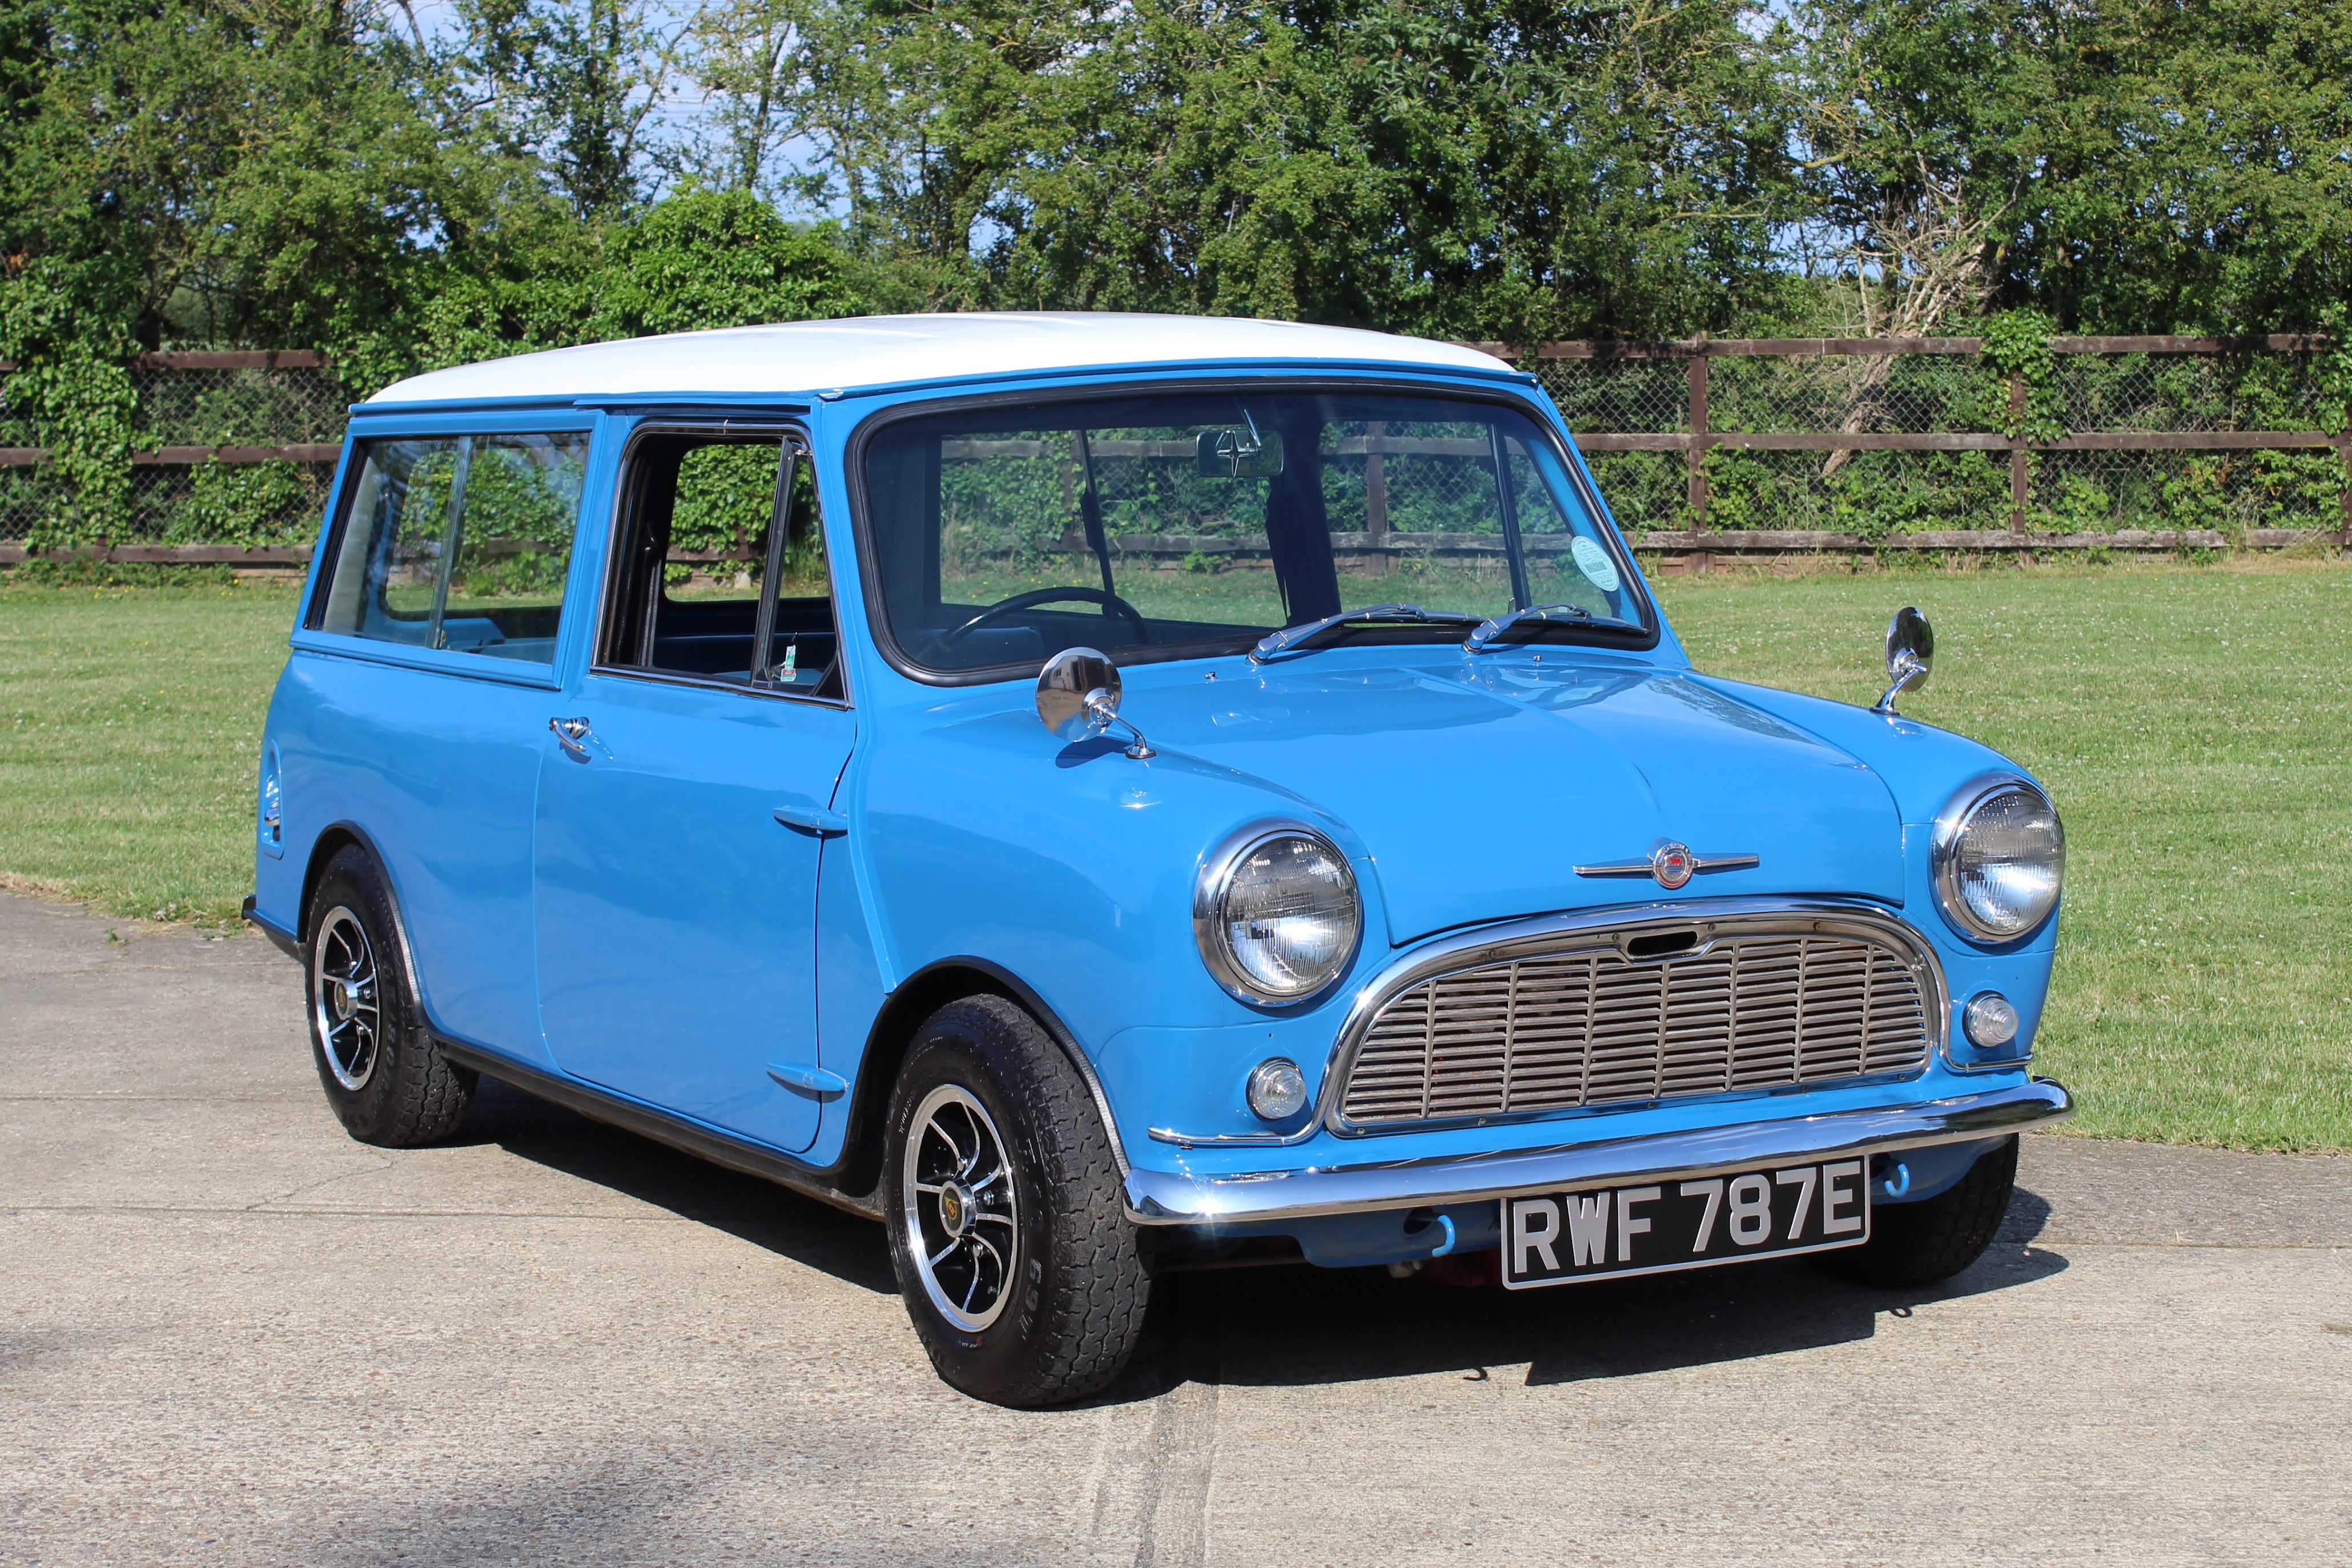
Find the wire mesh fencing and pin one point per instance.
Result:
(230, 450)
(1702, 444)
(297, 404)
(1888, 442)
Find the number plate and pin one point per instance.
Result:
(1684, 1222)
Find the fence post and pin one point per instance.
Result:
(1695, 457)
(1376, 488)
(2343, 446)
(2017, 463)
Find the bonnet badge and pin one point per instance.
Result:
(1671, 864)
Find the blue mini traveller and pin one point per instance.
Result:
(1107, 794)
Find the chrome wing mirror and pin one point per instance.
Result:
(1077, 698)
(1910, 654)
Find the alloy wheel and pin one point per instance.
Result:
(957, 1185)
(344, 1005)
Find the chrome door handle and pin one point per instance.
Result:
(570, 733)
(814, 820)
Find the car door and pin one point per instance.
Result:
(413, 708)
(685, 794)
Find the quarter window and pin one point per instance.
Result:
(459, 543)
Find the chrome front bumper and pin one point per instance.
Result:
(1163, 1197)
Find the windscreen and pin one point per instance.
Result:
(1197, 523)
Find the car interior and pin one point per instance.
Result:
(680, 609)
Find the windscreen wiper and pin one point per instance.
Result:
(1291, 637)
(1490, 632)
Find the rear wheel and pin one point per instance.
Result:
(1008, 1233)
(1918, 1244)
(382, 1070)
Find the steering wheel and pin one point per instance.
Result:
(1109, 602)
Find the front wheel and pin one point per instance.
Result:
(1008, 1234)
(1918, 1244)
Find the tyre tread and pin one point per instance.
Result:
(1091, 1310)
(418, 1095)
(1923, 1242)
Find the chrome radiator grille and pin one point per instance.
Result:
(1757, 1010)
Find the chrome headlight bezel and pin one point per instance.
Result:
(1952, 824)
(1210, 927)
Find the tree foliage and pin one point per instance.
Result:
(532, 173)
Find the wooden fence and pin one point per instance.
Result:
(1760, 429)
(1859, 427)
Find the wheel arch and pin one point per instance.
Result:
(331, 841)
(887, 1041)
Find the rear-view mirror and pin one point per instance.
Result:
(1239, 454)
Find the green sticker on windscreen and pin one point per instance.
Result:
(1595, 563)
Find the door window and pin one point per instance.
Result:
(458, 541)
(720, 573)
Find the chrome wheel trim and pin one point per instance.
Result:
(344, 1011)
(962, 1231)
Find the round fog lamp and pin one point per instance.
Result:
(1278, 1090)
(1992, 1020)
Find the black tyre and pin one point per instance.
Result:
(1008, 1233)
(1918, 1244)
(382, 1070)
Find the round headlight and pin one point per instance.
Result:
(2000, 858)
(1277, 915)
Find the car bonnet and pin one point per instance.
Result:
(1479, 787)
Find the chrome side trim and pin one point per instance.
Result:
(1217, 1140)
(1169, 1197)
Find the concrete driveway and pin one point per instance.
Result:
(230, 1334)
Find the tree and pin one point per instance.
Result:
(740, 54)
(575, 84)
(1476, 166)
(718, 258)
(2133, 165)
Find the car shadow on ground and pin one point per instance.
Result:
(1245, 1327)
(845, 1245)
(1242, 1326)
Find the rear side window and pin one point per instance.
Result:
(459, 543)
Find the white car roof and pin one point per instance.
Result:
(886, 351)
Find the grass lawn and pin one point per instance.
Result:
(130, 729)
(2190, 721)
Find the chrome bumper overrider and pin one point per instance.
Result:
(1163, 1197)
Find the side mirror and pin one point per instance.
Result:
(1237, 455)
(1078, 695)
(1910, 654)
